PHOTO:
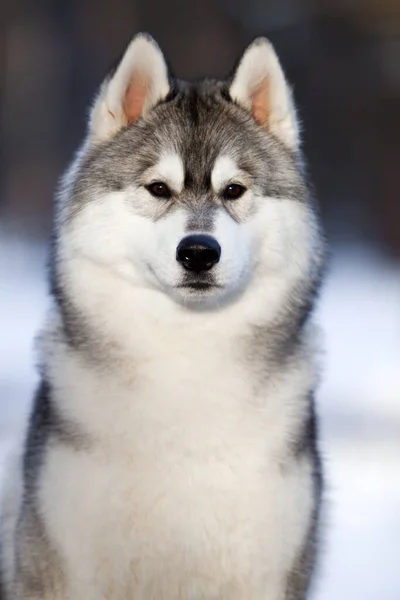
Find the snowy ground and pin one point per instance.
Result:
(359, 404)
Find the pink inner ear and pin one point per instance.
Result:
(135, 97)
(260, 102)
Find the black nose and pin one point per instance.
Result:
(198, 252)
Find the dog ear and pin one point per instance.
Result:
(259, 86)
(139, 82)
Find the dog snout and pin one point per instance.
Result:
(198, 252)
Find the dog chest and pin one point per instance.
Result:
(170, 525)
(181, 481)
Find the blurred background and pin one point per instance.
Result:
(343, 59)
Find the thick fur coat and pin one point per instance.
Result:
(171, 452)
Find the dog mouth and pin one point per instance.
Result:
(199, 283)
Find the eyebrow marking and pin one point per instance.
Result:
(225, 171)
(168, 169)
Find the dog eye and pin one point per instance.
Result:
(233, 191)
(159, 190)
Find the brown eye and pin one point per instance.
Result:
(233, 191)
(159, 190)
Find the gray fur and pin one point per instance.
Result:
(200, 122)
(300, 578)
(37, 562)
(46, 427)
(305, 447)
(201, 220)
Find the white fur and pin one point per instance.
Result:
(169, 169)
(226, 171)
(180, 496)
(174, 430)
(260, 62)
(112, 232)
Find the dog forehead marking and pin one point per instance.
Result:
(224, 171)
(169, 168)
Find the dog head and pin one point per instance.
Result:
(190, 189)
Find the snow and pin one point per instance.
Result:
(358, 401)
(359, 404)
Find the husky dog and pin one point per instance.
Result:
(171, 452)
